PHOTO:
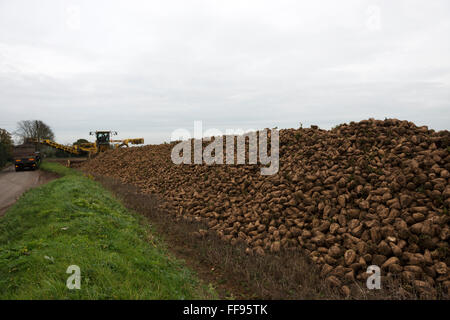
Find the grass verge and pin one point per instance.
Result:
(74, 221)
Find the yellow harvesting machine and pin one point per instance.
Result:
(102, 143)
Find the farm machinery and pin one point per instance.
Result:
(103, 142)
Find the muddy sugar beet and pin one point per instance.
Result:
(245, 148)
(368, 193)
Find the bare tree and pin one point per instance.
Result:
(34, 129)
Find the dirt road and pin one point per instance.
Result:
(13, 184)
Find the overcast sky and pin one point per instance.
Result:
(146, 68)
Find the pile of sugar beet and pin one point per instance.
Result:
(368, 193)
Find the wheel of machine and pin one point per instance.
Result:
(18, 169)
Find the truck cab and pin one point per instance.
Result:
(25, 157)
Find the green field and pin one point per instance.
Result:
(74, 221)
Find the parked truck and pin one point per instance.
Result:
(25, 156)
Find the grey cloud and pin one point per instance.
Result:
(145, 68)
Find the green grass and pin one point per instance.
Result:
(59, 169)
(74, 221)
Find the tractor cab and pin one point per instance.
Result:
(103, 139)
